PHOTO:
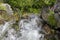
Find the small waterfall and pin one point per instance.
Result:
(4, 28)
(7, 25)
(30, 29)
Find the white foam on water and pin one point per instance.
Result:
(30, 29)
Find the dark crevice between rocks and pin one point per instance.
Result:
(52, 27)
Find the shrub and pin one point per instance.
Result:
(28, 5)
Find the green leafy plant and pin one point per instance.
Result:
(49, 2)
(30, 5)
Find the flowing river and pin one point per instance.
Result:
(28, 30)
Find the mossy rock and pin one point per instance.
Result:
(5, 16)
(16, 16)
(51, 20)
(58, 24)
(2, 7)
(48, 16)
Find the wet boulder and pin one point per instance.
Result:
(6, 7)
(6, 19)
(48, 16)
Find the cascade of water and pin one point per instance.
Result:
(30, 29)
(4, 28)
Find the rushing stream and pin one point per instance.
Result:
(28, 30)
(29, 27)
(16, 26)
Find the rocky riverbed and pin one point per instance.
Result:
(44, 26)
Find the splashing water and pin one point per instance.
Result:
(30, 29)
(4, 28)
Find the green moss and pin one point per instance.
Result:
(34, 10)
(2, 7)
(51, 19)
(49, 2)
